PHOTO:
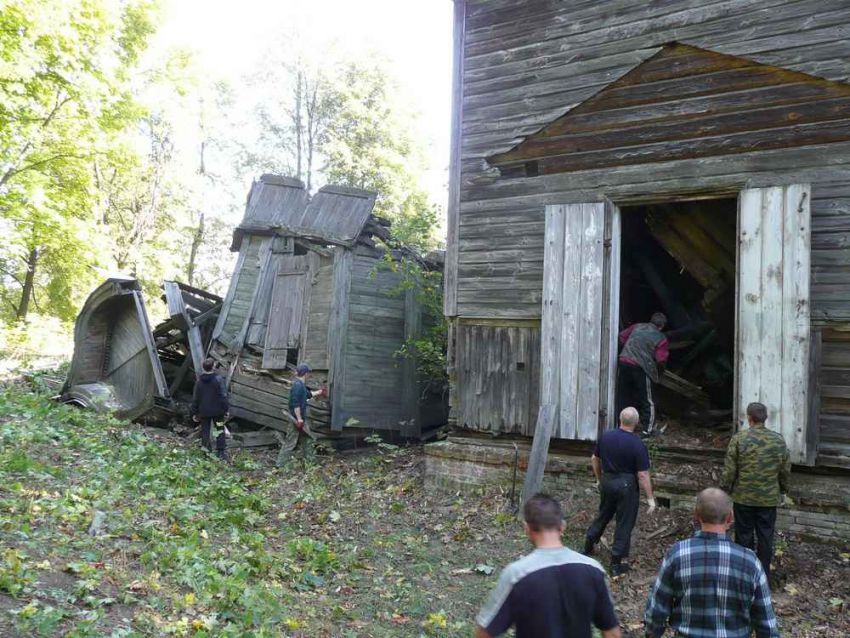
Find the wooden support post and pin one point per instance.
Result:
(539, 451)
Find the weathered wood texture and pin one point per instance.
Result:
(834, 386)
(497, 372)
(373, 385)
(288, 310)
(575, 352)
(773, 323)
(241, 292)
(526, 63)
(316, 346)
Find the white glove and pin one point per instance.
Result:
(651, 504)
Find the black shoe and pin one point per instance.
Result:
(588, 547)
(618, 568)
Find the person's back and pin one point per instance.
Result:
(210, 396)
(709, 586)
(553, 592)
(549, 594)
(761, 460)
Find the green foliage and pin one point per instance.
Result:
(65, 99)
(428, 348)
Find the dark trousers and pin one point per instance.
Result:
(754, 529)
(620, 498)
(634, 389)
(206, 438)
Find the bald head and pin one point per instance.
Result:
(629, 418)
(714, 507)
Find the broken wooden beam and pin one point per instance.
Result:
(681, 386)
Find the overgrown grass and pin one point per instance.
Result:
(197, 547)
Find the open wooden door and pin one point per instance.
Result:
(773, 324)
(579, 319)
(287, 312)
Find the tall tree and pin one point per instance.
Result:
(65, 97)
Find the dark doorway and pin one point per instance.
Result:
(680, 259)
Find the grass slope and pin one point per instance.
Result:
(351, 547)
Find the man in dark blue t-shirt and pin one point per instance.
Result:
(553, 592)
(620, 463)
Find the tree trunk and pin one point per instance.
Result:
(197, 239)
(29, 282)
(299, 88)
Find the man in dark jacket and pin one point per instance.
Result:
(299, 394)
(210, 405)
(642, 359)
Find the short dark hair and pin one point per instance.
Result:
(208, 365)
(757, 411)
(658, 319)
(542, 512)
(713, 506)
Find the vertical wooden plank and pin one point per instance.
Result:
(612, 313)
(338, 333)
(150, 345)
(543, 431)
(748, 320)
(571, 293)
(231, 291)
(813, 416)
(771, 314)
(550, 326)
(410, 383)
(796, 321)
(453, 212)
(590, 323)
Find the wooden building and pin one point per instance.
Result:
(614, 158)
(311, 285)
(315, 282)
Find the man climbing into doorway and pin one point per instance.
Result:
(642, 360)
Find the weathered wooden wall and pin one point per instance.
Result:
(316, 346)
(370, 385)
(496, 376)
(243, 283)
(526, 62)
(834, 386)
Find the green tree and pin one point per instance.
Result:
(65, 99)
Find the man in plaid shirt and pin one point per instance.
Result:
(709, 587)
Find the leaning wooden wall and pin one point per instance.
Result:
(240, 294)
(526, 62)
(370, 385)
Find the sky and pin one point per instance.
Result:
(228, 39)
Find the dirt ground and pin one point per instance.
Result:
(344, 546)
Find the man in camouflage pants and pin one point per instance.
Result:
(756, 473)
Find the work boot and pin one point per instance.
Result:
(618, 568)
(588, 547)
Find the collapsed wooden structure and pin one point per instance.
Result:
(312, 285)
(317, 281)
(611, 161)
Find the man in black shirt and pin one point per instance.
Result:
(553, 592)
(620, 463)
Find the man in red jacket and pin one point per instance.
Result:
(642, 360)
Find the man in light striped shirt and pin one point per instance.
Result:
(709, 587)
(553, 592)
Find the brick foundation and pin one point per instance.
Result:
(821, 507)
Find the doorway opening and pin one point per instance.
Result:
(680, 259)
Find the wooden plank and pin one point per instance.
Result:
(796, 319)
(814, 392)
(590, 321)
(453, 211)
(772, 301)
(338, 334)
(550, 326)
(611, 312)
(543, 431)
(571, 345)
